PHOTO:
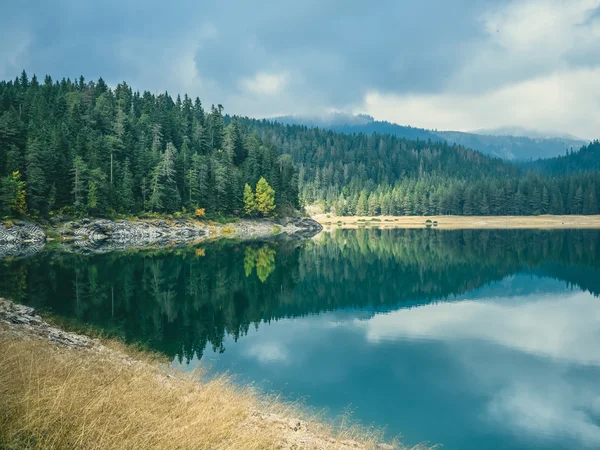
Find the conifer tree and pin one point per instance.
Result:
(249, 203)
(14, 194)
(78, 173)
(362, 207)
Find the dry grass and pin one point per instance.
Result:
(464, 222)
(71, 398)
(57, 397)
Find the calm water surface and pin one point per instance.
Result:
(472, 339)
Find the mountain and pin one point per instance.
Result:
(371, 174)
(525, 132)
(587, 159)
(513, 148)
(499, 143)
(361, 123)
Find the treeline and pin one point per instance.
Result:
(381, 174)
(528, 195)
(79, 147)
(587, 159)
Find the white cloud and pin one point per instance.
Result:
(264, 83)
(537, 67)
(566, 328)
(14, 49)
(268, 352)
(554, 408)
(566, 101)
(544, 397)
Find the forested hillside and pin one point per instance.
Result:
(587, 159)
(383, 174)
(516, 147)
(82, 148)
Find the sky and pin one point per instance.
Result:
(438, 64)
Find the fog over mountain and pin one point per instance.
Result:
(526, 132)
(509, 143)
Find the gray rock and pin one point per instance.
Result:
(306, 227)
(21, 238)
(102, 235)
(25, 322)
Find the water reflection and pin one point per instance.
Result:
(178, 301)
(501, 372)
(475, 339)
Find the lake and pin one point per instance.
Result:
(474, 339)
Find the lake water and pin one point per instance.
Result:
(472, 339)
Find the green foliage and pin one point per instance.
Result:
(249, 203)
(98, 151)
(14, 197)
(265, 198)
(83, 147)
(370, 174)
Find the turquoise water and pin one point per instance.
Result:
(471, 339)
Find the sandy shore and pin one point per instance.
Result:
(462, 222)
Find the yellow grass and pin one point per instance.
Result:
(463, 222)
(56, 397)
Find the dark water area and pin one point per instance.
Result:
(474, 339)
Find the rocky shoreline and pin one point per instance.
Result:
(102, 235)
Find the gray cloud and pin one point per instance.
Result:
(338, 49)
(276, 57)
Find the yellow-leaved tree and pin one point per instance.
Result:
(249, 203)
(264, 198)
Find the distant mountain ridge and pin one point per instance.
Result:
(585, 160)
(525, 132)
(533, 146)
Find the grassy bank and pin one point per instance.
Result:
(107, 396)
(461, 222)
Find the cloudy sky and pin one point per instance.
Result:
(464, 64)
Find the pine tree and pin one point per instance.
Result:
(578, 201)
(78, 174)
(265, 198)
(195, 182)
(373, 205)
(234, 144)
(545, 202)
(14, 196)
(171, 200)
(126, 190)
(362, 207)
(156, 190)
(36, 178)
(592, 202)
(249, 203)
(484, 207)
(340, 206)
(215, 128)
(96, 201)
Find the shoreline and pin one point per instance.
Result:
(103, 386)
(461, 222)
(18, 238)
